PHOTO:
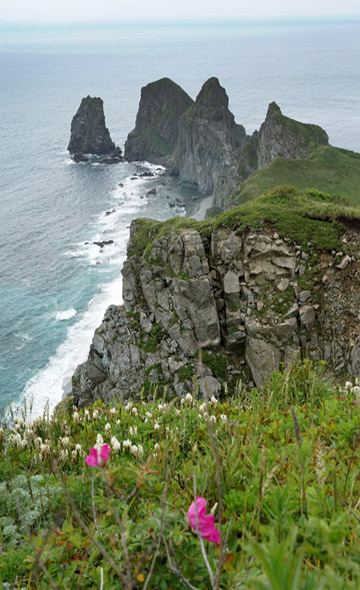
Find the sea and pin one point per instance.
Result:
(55, 282)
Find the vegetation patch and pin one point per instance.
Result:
(217, 363)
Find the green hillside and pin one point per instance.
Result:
(328, 169)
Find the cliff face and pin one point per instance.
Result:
(89, 134)
(208, 136)
(157, 123)
(249, 299)
(279, 136)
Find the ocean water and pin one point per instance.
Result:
(55, 284)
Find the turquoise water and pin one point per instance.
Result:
(54, 288)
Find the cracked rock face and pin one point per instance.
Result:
(157, 122)
(89, 134)
(207, 138)
(220, 294)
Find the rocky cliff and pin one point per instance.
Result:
(157, 122)
(89, 134)
(208, 135)
(279, 136)
(257, 286)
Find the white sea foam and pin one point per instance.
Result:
(47, 386)
(65, 315)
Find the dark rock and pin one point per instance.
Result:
(89, 134)
(208, 136)
(151, 192)
(103, 243)
(157, 122)
(80, 158)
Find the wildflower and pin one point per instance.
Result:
(86, 414)
(207, 527)
(95, 414)
(177, 412)
(348, 385)
(148, 414)
(99, 441)
(156, 447)
(75, 417)
(128, 407)
(112, 411)
(140, 451)
(156, 426)
(213, 401)
(107, 427)
(223, 418)
(98, 458)
(133, 430)
(126, 444)
(188, 398)
(212, 419)
(64, 441)
(202, 409)
(356, 390)
(134, 411)
(115, 444)
(134, 450)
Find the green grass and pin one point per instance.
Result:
(301, 215)
(288, 463)
(328, 169)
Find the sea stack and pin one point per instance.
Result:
(157, 122)
(207, 139)
(89, 134)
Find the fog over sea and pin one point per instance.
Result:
(55, 284)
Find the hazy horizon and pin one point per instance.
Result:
(64, 12)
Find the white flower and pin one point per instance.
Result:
(212, 419)
(161, 407)
(38, 441)
(167, 430)
(117, 421)
(133, 430)
(76, 418)
(134, 411)
(78, 448)
(134, 450)
(223, 418)
(213, 401)
(177, 412)
(356, 390)
(64, 453)
(156, 426)
(128, 407)
(99, 442)
(64, 441)
(188, 398)
(112, 411)
(140, 451)
(156, 447)
(95, 414)
(148, 414)
(126, 444)
(107, 427)
(115, 445)
(202, 408)
(45, 449)
(86, 414)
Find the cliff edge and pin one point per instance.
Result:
(255, 287)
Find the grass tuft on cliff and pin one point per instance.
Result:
(287, 485)
(328, 169)
(302, 216)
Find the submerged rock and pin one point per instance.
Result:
(157, 122)
(89, 134)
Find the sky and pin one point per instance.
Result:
(110, 11)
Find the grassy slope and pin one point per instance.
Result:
(329, 169)
(287, 514)
(302, 216)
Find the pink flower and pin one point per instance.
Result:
(206, 521)
(98, 458)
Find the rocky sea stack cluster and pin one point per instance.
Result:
(89, 134)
